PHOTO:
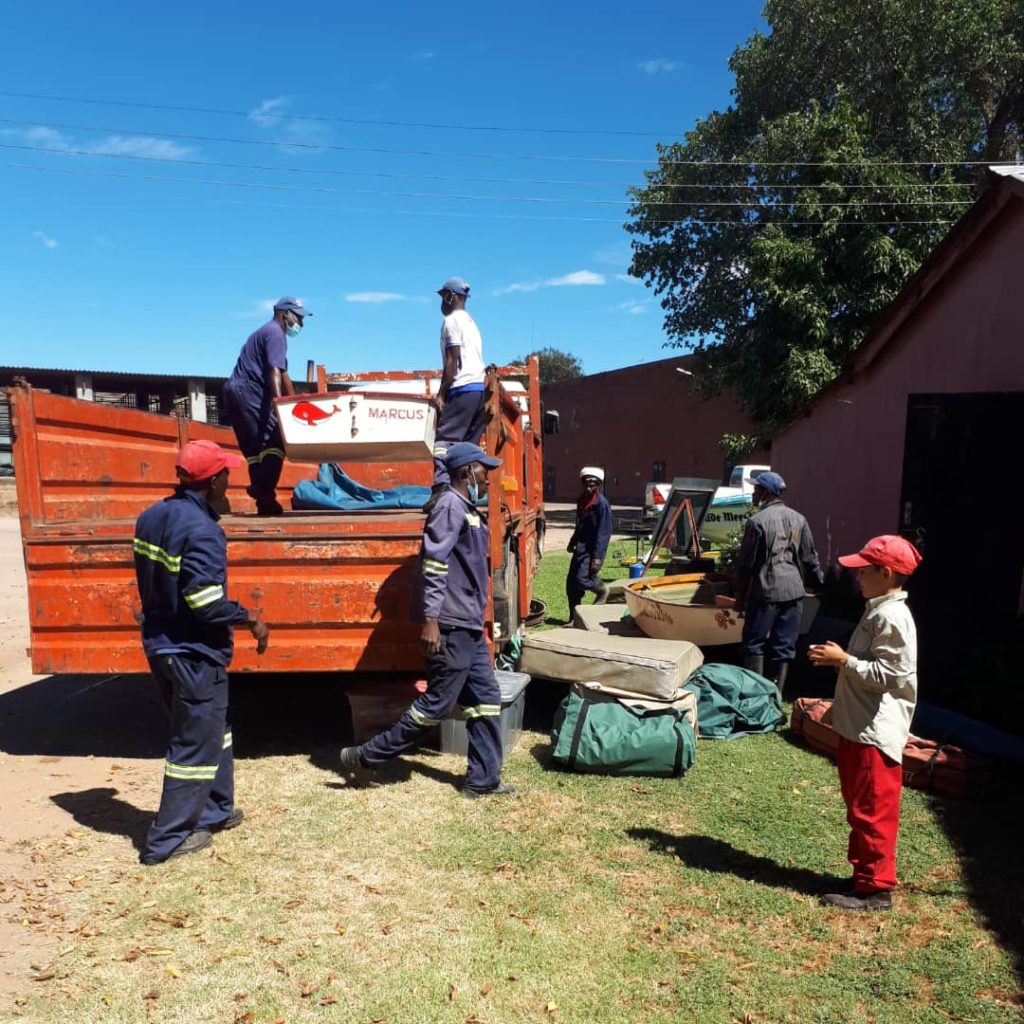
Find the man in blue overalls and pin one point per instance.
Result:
(188, 636)
(776, 557)
(260, 376)
(589, 541)
(450, 599)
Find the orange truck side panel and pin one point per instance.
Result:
(335, 587)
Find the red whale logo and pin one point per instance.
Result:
(307, 412)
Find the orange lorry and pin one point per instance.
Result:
(334, 587)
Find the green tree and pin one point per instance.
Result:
(778, 229)
(555, 365)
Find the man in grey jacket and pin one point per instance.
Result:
(776, 557)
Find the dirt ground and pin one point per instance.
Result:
(73, 747)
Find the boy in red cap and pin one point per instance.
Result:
(876, 692)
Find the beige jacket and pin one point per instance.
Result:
(876, 691)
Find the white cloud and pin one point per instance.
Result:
(628, 279)
(519, 286)
(631, 307)
(659, 66)
(261, 307)
(273, 114)
(424, 55)
(377, 297)
(48, 242)
(577, 277)
(269, 112)
(110, 145)
(141, 145)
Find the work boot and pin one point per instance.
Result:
(190, 844)
(501, 789)
(352, 769)
(233, 820)
(435, 492)
(754, 663)
(601, 592)
(780, 669)
(268, 507)
(881, 900)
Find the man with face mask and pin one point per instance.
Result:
(260, 376)
(460, 400)
(450, 599)
(589, 541)
(776, 556)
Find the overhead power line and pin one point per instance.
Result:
(67, 150)
(334, 119)
(334, 147)
(752, 206)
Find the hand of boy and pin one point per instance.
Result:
(828, 654)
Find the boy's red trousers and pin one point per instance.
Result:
(871, 783)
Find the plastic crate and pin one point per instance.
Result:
(376, 706)
(454, 739)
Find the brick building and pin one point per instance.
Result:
(641, 423)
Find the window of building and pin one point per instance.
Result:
(658, 472)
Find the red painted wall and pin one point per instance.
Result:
(843, 463)
(628, 419)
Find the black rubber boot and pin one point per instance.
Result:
(779, 672)
(755, 663)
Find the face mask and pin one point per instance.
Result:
(292, 330)
(474, 490)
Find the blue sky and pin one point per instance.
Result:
(118, 256)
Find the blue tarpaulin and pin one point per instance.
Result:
(335, 489)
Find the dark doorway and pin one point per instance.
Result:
(549, 483)
(962, 500)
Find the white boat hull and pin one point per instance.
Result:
(357, 426)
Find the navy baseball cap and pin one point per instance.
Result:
(462, 453)
(770, 482)
(455, 285)
(289, 302)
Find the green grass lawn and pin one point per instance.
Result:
(585, 899)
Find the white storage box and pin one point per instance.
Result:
(357, 426)
(513, 700)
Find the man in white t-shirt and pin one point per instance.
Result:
(461, 397)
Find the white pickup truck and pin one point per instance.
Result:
(740, 481)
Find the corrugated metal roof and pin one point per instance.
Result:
(1009, 171)
(124, 374)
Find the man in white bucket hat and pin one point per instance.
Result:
(589, 542)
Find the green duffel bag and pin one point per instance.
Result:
(606, 736)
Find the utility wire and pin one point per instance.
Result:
(467, 197)
(328, 119)
(680, 220)
(324, 147)
(396, 175)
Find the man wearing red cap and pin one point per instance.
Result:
(188, 636)
(876, 693)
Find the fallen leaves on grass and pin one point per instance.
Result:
(308, 989)
(485, 988)
(174, 972)
(452, 993)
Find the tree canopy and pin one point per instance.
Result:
(778, 229)
(555, 365)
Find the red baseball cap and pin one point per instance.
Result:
(200, 460)
(889, 551)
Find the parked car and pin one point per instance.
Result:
(740, 481)
(655, 496)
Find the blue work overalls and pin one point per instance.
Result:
(187, 634)
(451, 586)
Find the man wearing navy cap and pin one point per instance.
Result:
(260, 376)
(450, 599)
(776, 556)
(460, 400)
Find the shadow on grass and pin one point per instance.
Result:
(710, 854)
(392, 774)
(101, 810)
